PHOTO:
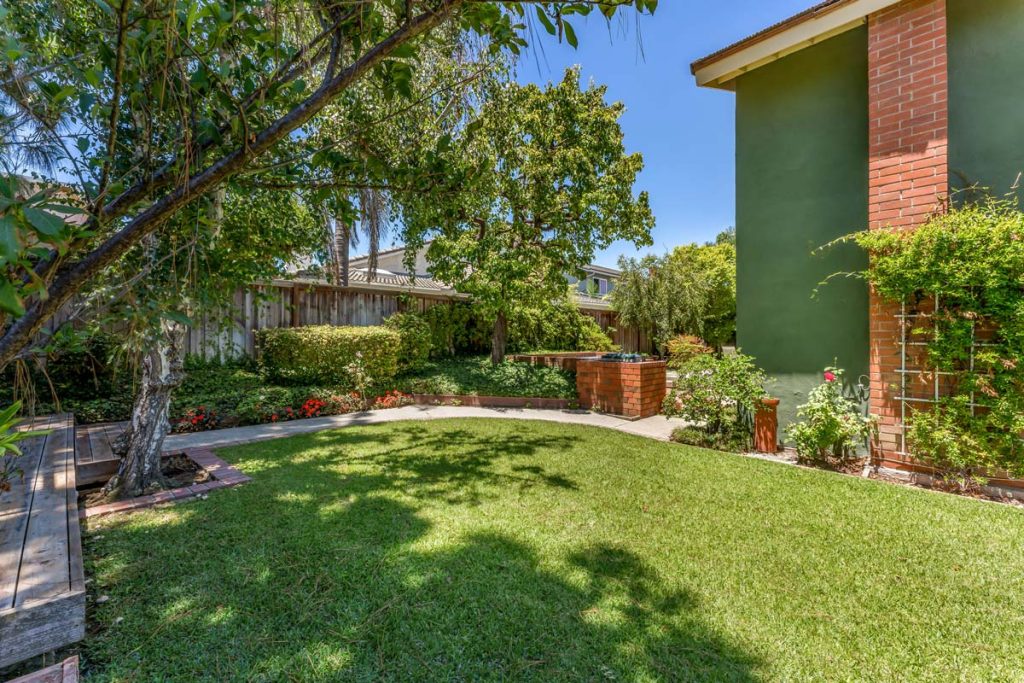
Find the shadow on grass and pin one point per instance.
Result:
(321, 572)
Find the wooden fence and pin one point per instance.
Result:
(296, 304)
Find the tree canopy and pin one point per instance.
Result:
(691, 290)
(150, 106)
(543, 181)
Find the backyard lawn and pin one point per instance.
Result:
(493, 550)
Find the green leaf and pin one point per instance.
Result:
(545, 20)
(9, 299)
(46, 223)
(570, 34)
(177, 316)
(10, 245)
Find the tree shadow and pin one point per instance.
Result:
(319, 573)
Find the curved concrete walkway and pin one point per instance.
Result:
(657, 427)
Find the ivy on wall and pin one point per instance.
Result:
(970, 260)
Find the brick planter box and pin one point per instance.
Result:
(634, 390)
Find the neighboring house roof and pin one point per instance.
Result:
(423, 285)
(363, 261)
(813, 25)
(603, 270)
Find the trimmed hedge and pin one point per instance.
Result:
(321, 354)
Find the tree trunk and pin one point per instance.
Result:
(344, 237)
(498, 339)
(142, 445)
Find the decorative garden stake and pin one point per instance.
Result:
(766, 426)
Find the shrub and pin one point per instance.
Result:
(260, 404)
(682, 348)
(948, 437)
(971, 260)
(592, 338)
(322, 354)
(831, 425)
(456, 328)
(415, 348)
(718, 395)
(558, 326)
(199, 419)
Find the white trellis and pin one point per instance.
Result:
(908, 369)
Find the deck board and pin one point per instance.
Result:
(15, 507)
(42, 591)
(46, 561)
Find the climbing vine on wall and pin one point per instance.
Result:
(971, 261)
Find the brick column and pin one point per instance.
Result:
(909, 180)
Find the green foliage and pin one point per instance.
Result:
(416, 336)
(718, 394)
(544, 182)
(682, 348)
(151, 108)
(831, 426)
(690, 291)
(555, 326)
(972, 260)
(949, 437)
(735, 439)
(456, 328)
(477, 376)
(460, 328)
(322, 354)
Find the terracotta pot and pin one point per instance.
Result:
(766, 426)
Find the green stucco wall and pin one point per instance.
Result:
(801, 182)
(986, 92)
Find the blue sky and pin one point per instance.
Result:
(685, 133)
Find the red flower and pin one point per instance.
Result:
(830, 376)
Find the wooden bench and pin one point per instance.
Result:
(42, 582)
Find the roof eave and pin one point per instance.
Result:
(721, 69)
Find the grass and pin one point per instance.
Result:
(508, 550)
(475, 375)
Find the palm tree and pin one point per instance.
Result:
(343, 235)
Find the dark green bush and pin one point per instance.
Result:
(559, 326)
(457, 328)
(416, 340)
(322, 354)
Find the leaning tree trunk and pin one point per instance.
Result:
(142, 444)
(498, 339)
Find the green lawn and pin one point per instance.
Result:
(507, 550)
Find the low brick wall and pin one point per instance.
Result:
(631, 389)
(566, 361)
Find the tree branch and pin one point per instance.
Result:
(71, 277)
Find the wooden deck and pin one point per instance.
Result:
(42, 582)
(94, 455)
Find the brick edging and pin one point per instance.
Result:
(223, 476)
